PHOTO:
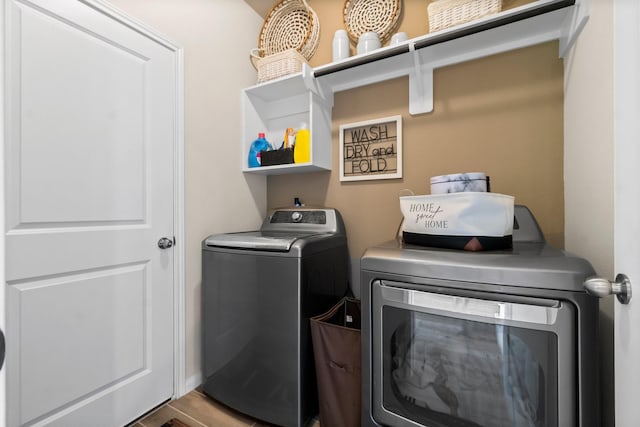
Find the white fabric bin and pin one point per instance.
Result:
(470, 221)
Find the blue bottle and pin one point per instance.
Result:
(256, 146)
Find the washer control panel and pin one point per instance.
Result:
(299, 217)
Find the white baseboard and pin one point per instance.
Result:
(192, 382)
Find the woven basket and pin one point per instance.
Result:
(291, 24)
(380, 16)
(278, 65)
(447, 13)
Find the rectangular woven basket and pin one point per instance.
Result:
(447, 13)
(280, 64)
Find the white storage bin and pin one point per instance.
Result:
(470, 221)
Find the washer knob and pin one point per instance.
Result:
(296, 216)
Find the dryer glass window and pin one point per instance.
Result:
(448, 371)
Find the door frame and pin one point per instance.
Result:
(626, 69)
(179, 320)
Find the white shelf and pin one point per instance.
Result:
(286, 169)
(284, 87)
(308, 96)
(528, 25)
(274, 106)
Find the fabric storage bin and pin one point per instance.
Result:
(336, 349)
(469, 221)
(276, 157)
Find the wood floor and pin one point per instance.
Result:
(197, 410)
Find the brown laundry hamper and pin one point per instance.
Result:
(336, 348)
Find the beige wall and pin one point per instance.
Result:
(589, 167)
(501, 115)
(414, 16)
(506, 121)
(216, 36)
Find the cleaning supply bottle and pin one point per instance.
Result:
(258, 145)
(289, 136)
(302, 147)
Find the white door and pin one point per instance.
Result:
(627, 208)
(89, 172)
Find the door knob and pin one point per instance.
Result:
(599, 287)
(1, 348)
(165, 243)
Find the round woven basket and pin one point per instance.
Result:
(291, 24)
(380, 16)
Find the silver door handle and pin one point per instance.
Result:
(1, 348)
(600, 287)
(165, 243)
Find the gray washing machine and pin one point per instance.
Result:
(259, 290)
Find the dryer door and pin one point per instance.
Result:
(454, 359)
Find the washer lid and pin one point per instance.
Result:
(257, 240)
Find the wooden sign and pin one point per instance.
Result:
(371, 149)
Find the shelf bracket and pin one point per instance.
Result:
(308, 78)
(315, 86)
(574, 22)
(420, 85)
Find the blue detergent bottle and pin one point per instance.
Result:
(256, 146)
